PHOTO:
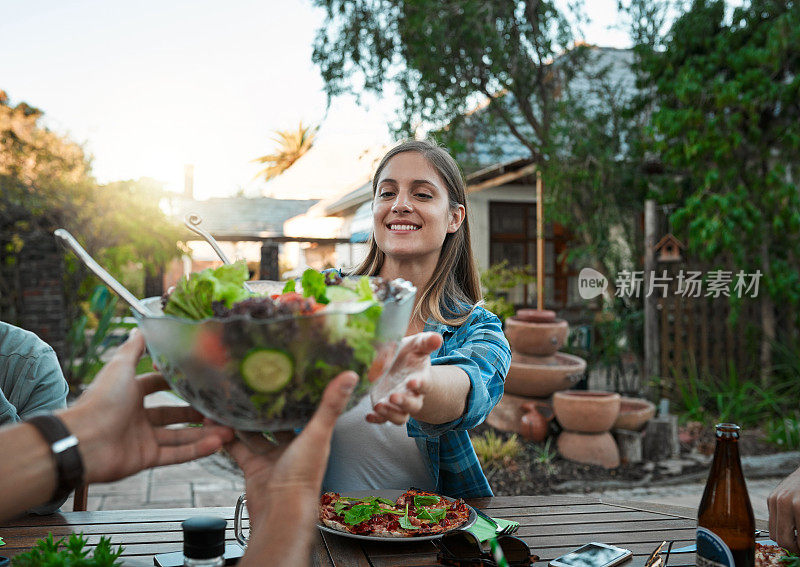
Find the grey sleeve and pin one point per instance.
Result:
(8, 413)
(50, 388)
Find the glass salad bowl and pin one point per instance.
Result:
(262, 365)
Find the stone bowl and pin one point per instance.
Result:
(589, 448)
(539, 377)
(536, 339)
(634, 413)
(586, 411)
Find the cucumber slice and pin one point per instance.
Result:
(340, 293)
(267, 370)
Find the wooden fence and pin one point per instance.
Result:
(697, 337)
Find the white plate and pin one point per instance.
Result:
(394, 495)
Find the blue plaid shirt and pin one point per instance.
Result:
(480, 348)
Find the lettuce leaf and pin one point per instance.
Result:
(314, 285)
(193, 296)
(424, 500)
(405, 522)
(359, 513)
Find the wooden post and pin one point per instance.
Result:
(269, 262)
(539, 242)
(651, 346)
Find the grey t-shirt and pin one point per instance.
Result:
(31, 380)
(368, 456)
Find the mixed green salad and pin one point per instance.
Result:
(285, 347)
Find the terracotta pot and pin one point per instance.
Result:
(507, 414)
(589, 448)
(533, 426)
(536, 315)
(527, 376)
(544, 406)
(536, 339)
(634, 413)
(586, 411)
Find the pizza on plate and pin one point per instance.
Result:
(769, 555)
(415, 513)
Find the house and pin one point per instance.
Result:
(501, 196)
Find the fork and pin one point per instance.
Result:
(507, 530)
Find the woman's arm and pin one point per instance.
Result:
(459, 387)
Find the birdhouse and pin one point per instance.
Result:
(669, 249)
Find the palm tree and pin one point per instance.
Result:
(292, 145)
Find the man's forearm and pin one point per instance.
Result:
(283, 536)
(27, 472)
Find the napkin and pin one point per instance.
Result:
(485, 530)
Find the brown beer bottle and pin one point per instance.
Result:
(725, 522)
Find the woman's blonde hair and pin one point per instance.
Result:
(454, 287)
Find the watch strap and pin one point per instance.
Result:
(64, 448)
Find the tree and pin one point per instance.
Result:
(292, 145)
(727, 127)
(46, 183)
(444, 55)
(521, 58)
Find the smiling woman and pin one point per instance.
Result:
(455, 370)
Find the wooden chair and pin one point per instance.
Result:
(80, 497)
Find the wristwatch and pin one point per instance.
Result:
(64, 448)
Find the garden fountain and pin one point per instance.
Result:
(539, 370)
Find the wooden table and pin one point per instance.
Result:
(551, 525)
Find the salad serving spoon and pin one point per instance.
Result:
(67, 239)
(192, 222)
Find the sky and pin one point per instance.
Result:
(150, 86)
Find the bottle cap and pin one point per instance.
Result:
(204, 537)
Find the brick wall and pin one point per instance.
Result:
(41, 291)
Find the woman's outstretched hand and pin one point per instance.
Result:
(412, 368)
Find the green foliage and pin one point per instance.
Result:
(727, 123)
(711, 399)
(784, 432)
(292, 145)
(46, 183)
(69, 552)
(493, 451)
(500, 278)
(544, 455)
(444, 55)
(85, 352)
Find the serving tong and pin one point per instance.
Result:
(68, 240)
(192, 222)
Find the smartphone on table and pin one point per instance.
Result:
(593, 555)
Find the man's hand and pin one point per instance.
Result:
(412, 369)
(119, 437)
(784, 512)
(290, 475)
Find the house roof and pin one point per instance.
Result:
(262, 216)
(500, 174)
(490, 143)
